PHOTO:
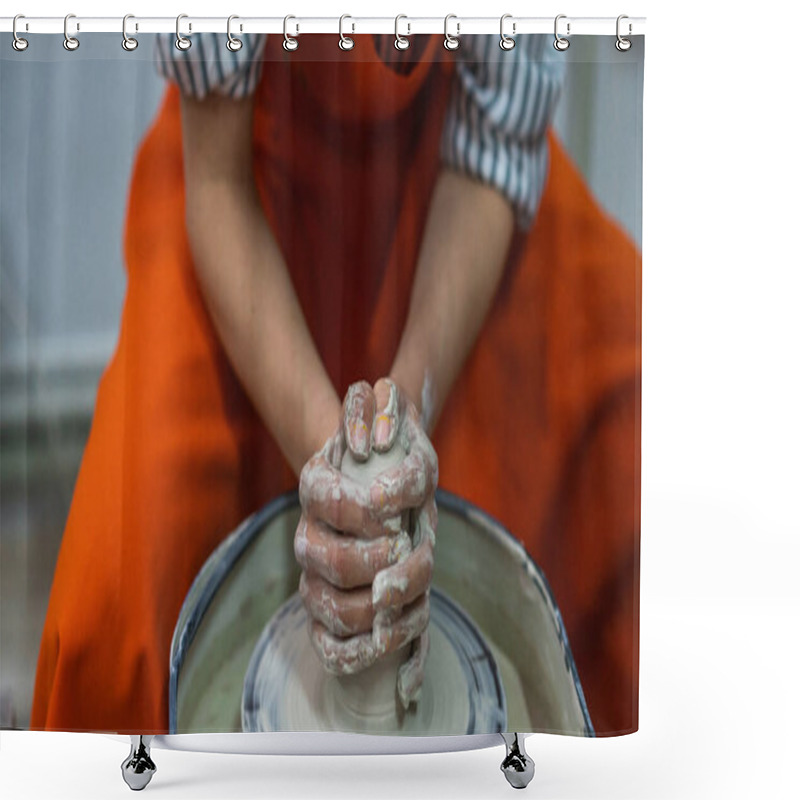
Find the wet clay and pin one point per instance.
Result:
(286, 687)
(373, 691)
(289, 688)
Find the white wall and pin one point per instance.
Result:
(68, 127)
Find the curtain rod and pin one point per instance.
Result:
(298, 25)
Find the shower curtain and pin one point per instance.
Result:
(320, 360)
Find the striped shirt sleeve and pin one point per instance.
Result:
(208, 66)
(500, 107)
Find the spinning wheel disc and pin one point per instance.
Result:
(287, 689)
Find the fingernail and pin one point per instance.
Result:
(409, 683)
(387, 589)
(380, 632)
(383, 428)
(378, 594)
(359, 437)
(401, 547)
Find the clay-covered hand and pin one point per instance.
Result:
(365, 584)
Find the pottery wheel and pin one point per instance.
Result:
(287, 689)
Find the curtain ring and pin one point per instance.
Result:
(506, 42)
(128, 42)
(289, 42)
(560, 43)
(451, 42)
(18, 43)
(345, 42)
(233, 44)
(622, 44)
(70, 42)
(182, 42)
(401, 42)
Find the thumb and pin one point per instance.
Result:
(359, 411)
(388, 402)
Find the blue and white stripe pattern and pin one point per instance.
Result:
(499, 112)
(499, 108)
(209, 66)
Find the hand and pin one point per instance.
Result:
(364, 584)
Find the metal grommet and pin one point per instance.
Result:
(128, 42)
(345, 42)
(622, 44)
(18, 43)
(233, 44)
(451, 42)
(70, 42)
(560, 43)
(401, 42)
(506, 42)
(289, 42)
(182, 42)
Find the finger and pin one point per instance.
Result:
(337, 500)
(342, 656)
(359, 412)
(333, 449)
(343, 613)
(411, 673)
(346, 656)
(390, 405)
(403, 583)
(411, 624)
(408, 484)
(427, 521)
(343, 560)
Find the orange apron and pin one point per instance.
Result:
(541, 429)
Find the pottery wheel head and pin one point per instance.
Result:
(287, 689)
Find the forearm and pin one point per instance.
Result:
(461, 261)
(254, 308)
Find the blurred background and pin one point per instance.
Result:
(69, 130)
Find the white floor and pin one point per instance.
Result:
(719, 711)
